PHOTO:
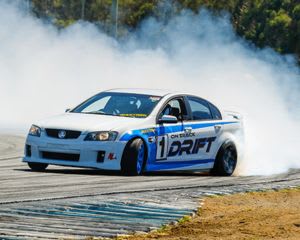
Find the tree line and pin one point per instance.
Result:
(273, 23)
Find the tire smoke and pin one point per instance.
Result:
(44, 70)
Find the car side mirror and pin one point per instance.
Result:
(68, 110)
(168, 119)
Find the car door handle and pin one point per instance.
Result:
(188, 129)
(218, 127)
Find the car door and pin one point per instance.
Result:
(205, 128)
(169, 134)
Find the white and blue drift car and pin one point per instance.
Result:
(136, 131)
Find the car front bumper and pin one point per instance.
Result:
(74, 152)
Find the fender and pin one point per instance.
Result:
(146, 135)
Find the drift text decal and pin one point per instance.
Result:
(190, 146)
(177, 148)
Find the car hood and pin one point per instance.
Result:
(89, 122)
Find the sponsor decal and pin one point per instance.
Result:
(179, 147)
(133, 115)
(112, 156)
(148, 130)
(190, 146)
(154, 98)
(183, 135)
(151, 139)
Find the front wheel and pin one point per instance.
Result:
(38, 167)
(226, 160)
(133, 159)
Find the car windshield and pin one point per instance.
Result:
(119, 104)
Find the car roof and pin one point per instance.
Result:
(146, 91)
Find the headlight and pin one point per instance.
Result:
(35, 131)
(101, 136)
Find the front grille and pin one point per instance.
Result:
(69, 134)
(61, 156)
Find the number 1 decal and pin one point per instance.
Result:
(162, 147)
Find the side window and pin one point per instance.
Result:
(216, 114)
(200, 109)
(174, 108)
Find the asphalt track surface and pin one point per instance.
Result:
(74, 203)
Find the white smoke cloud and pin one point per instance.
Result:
(44, 71)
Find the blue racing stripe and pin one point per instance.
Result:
(164, 165)
(162, 130)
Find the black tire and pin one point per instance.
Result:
(38, 167)
(226, 160)
(133, 161)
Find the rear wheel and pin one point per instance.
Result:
(132, 163)
(37, 166)
(226, 160)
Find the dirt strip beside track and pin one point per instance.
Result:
(260, 215)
